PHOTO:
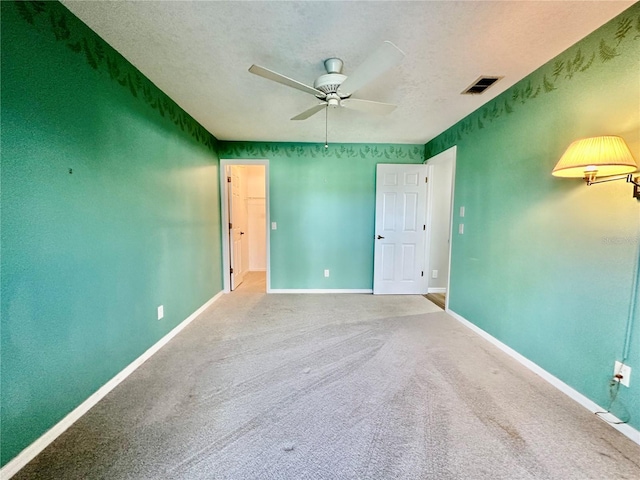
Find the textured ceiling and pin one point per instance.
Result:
(198, 52)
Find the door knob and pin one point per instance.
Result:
(380, 237)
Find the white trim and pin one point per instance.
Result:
(320, 290)
(224, 215)
(29, 453)
(427, 223)
(454, 152)
(453, 201)
(593, 407)
(437, 290)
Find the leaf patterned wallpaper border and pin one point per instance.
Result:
(413, 153)
(547, 79)
(100, 56)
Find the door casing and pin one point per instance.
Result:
(448, 155)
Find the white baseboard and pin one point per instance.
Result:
(29, 453)
(319, 290)
(437, 290)
(593, 407)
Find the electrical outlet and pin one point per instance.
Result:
(461, 228)
(160, 312)
(462, 211)
(434, 274)
(622, 373)
(274, 226)
(326, 273)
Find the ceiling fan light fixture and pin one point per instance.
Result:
(333, 100)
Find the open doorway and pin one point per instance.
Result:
(245, 219)
(441, 174)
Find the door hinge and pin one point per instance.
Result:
(228, 179)
(422, 274)
(424, 227)
(231, 269)
(230, 225)
(426, 179)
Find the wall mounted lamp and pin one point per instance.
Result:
(599, 160)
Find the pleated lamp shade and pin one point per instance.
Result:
(596, 156)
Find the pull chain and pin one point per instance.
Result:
(326, 127)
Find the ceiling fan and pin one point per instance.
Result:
(334, 89)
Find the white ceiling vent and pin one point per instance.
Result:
(480, 85)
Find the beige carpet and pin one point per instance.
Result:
(334, 387)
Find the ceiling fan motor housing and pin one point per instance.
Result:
(331, 81)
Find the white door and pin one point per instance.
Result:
(238, 244)
(399, 254)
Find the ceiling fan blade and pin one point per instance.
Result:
(289, 82)
(312, 111)
(368, 106)
(387, 56)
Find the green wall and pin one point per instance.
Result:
(323, 201)
(546, 265)
(110, 207)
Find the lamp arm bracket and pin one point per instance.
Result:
(629, 178)
(636, 186)
(612, 178)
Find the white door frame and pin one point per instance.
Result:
(453, 153)
(224, 218)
